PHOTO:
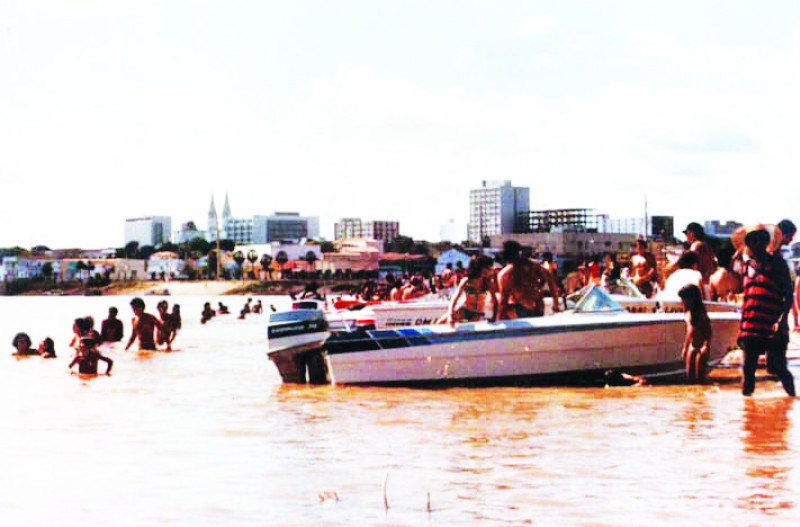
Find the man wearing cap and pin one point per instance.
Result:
(696, 236)
(776, 352)
(767, 299)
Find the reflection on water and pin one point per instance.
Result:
(767, 454)
(208, 435)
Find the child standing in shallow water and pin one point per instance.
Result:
(87, 358)
(698, 334)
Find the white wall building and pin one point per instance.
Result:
(148, 230)
(493, 208)
(284, 226)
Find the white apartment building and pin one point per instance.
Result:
(493, 208)
(385, 231)
(148, 230)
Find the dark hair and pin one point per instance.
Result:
(687, 260)
(758, 237)
(691, 293)
(137, 302)
(511, 250)
(112, 310)
(787, 227)
(547, 256)
(477, 265)
(20, 336)
(83, 325)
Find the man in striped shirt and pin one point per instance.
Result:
(767, 300)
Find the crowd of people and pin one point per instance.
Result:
(149, 330)
(751, 271)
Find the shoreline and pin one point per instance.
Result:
(197, 288)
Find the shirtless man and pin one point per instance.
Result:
(523, 280)
(643, 266)
(144, 326)
(695, 235)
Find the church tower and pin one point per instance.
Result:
(212, 221)
(226, 210)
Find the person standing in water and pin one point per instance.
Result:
(145, 326)
(767, 299)
(111, 329)
(698, 334)
(87, 358)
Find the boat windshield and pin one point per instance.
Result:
(595, 300)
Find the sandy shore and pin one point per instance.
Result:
(182, 288)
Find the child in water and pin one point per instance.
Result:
(698, 334)
(87, 358)
(47, 349)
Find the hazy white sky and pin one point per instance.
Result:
(391, 110)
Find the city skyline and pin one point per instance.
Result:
(391, 111)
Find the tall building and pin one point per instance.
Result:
(148, 230)
(347, 228)
(284, 226)
(493, 207)
(381, 230)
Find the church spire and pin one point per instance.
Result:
(226, 211)
(212, 220)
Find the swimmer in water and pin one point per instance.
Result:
(47, 349)
(22, 345)
(87, 358)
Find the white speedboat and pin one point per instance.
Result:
(598, 335)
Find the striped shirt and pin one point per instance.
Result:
(764, 299)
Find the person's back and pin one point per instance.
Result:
(111, 330)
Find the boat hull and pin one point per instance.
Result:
(521, 352)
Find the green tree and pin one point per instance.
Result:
(252, 257)
(227, 245)
(266, 261)
(132, 250)
(169, 246)
(199, 245)
(327, 247)
(311, 258)
(401, 244)
(211, 262)
(239, 258)
(146, 251)
(281, 258)
(47, 270)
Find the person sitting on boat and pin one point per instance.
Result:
(698, 334)
(415, 289)
(687, 273)
(22, 345)
(644, 269)
(521, 283)
(725, 283)
(474, 287)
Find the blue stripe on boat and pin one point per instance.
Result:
(424, 336)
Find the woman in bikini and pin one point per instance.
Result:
(478, 282)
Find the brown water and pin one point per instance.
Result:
(207, 435)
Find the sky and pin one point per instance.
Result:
(392, 111)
